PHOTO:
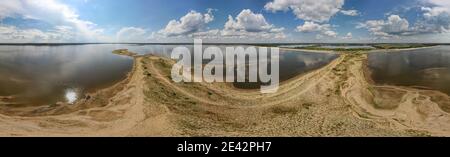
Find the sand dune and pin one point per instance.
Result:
(336, 100)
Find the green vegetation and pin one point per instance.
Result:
(401, 46)
(124, 52)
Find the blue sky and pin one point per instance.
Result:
(225, 20)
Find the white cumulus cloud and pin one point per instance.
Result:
(310, 10)
(350, 12)
(12, 34)
(348, 36)
(54, 13)
(192, 22)
(392, 27)
(132, 34)
(436, 17)
(323, 29)
(249, 24)
(437, 7)
(248, 21)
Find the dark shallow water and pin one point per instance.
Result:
(40, 75)
(428, 68)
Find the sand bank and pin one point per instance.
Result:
(336, 100)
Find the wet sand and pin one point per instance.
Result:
(335, 100)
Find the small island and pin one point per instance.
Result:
(124, 52)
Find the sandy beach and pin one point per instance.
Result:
(336, 100)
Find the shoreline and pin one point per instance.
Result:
(367, 75)
(365, 51)
(118, 84)
(296, 77)
(414, 103)
(82, 103)
(148, 103)
(312, 51)
(400, 50)
(304, 50)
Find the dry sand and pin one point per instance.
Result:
(336, 100)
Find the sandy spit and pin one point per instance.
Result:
(336, 100)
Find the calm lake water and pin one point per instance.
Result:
(429, 68)
(40, 75)
(292, 63)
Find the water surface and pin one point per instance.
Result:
(41, 75)
(292, 63)
(424, 68)
(38, 75)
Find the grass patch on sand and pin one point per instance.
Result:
(124, 52)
